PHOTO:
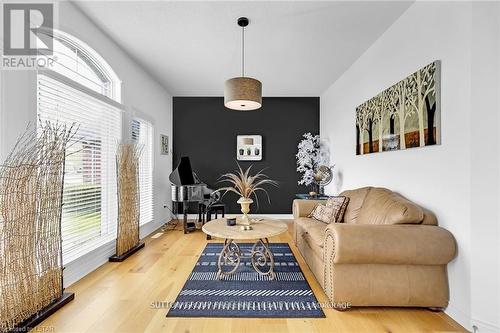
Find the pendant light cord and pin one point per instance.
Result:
(242, 51)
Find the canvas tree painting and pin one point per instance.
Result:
(406, 115)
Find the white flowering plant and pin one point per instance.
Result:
(312, 152)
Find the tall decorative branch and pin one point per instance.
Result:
(31, 187)
(127, 161)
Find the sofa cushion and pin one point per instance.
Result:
(356, 199)
(312, 232)
(382, 206)
(314, 237)
(303, 208)
(429, 217)
(306, 222)
(302, 224)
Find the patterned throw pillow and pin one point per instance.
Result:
(331, 212)
(323, 214)
(339, 204)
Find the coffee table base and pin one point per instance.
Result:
(260, 255)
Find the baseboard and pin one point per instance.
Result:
(485, 327)
(459, 316)
(278, 216)
(271, 216)
(89, 262)
(123, 257)
(30, 323)
(150, 227)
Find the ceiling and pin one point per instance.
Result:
(294, 48)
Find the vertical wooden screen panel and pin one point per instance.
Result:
(127, 161)
(31, 184)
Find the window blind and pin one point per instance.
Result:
(89, 214)
(142, 134)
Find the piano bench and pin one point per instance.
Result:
(215, 209)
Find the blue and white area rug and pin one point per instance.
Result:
(246, 293)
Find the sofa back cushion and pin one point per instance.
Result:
(429, 217)
(356, 199)
(382, 206)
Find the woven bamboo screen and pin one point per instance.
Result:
(31, 183)
(127, 159)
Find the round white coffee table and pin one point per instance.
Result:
(260, 254)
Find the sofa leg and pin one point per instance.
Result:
(435, 309)
(340, 309)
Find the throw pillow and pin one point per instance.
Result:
(339, 205)
(323, 214)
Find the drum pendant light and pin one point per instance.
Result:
(243, 93)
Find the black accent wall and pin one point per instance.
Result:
(206, 131)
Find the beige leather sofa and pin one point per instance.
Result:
(387, 252)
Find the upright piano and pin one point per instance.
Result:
(186, 188)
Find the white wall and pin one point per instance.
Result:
(498, 152)
(140, 93)
(1, 108)
(485, 165)
(451, 179)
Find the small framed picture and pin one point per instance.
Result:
(249, 147)
(164, 144)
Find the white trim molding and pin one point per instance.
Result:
(459, 316)
(87, 263)
(484, 327)
(84, 265)
(271, 216)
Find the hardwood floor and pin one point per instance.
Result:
(124, 297)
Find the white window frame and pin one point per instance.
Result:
(2, 122)
(97, 60)
(113, 99)
(146, 152)
(108, 193)
(2, 107)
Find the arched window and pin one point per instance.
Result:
(79, 62)
(81, 88)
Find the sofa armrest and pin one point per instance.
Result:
(302, 208)
(388, 244)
